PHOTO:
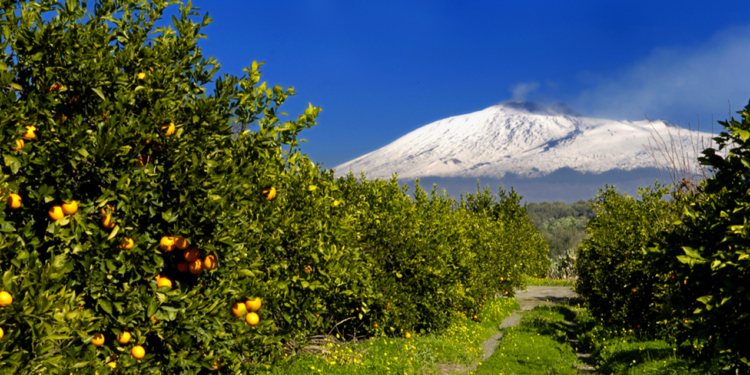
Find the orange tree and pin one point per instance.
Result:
(615, 277)
(431, 256)
(703, 265)
(116, 162)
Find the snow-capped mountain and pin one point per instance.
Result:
(526, 139)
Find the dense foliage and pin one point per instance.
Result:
(614, 276)
(704, 266)
(113, 149)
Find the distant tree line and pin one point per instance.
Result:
(562, 225)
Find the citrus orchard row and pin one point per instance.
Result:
(679, 267)
(193, 206)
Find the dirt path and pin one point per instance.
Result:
(532, 297)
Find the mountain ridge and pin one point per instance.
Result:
(522, 138)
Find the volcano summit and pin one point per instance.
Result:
(524, 139)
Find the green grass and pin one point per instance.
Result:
(460, 344)
(537, 281)
(624, 351)
(538, 345)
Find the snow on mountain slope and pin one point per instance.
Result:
(527, 139)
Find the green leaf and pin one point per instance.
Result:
(114, 232)
(98, 92)
(105, 304)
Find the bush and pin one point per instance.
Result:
(431, 255)
(614, 278)
(703, 265)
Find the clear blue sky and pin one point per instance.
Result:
(380, 69)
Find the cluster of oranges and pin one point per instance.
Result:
(137, 351)
(248, 309)
(192, 255)
(14, 200)
(5, 300)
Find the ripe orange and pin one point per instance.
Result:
(196, 267)
(70, 208)
(98, 339)
(30, 132)
(14, 201)
(270, 193)
(253, 304)
(182, 267)
(56, 213)
(252, 319)
(210, 262)
(141, 76)
(18, 145)
(56, 87)
(164, 281)
(407, 335)
(181, 243)
(167, 243)
(126, 243)
(112, 364)
(2, 333)
(239, 309)
(5, 299)
(138, 352)
(192, 254)
(170, 129)
(107, 221)
(124, 338)
(217, 364)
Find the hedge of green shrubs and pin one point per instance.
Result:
(680, 267)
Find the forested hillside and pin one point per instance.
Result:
(562, 225)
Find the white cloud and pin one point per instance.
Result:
(521, 90)
(678, 84)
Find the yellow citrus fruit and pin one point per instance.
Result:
(182, 267)
(109, 208)
(56, 87)
(124, 338)
(210, 263)
(138, 352)
(98, 339)
(18, 145)
(112, 364)
(196, 267)
(141, 76)
(253, 304)
(56, 213)
(126, 243)
(14, 201)
(170, 129)
(270, 193)
(30, 132)
(5, 299)
(239, 309)
(164, 281)
(181, 243)
(70, 208)
(407, 335)
(107, 221)
(192, 254)
(167, 243)
(252, 318)
(2, 333)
